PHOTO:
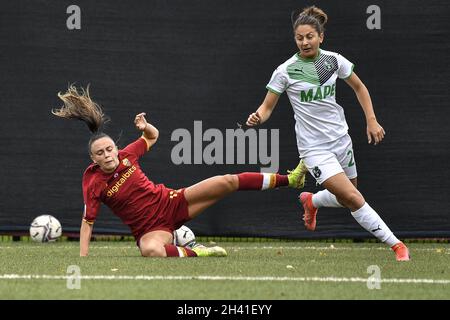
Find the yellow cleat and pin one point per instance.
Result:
(203, 251)
(297, 176)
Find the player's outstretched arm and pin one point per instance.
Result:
(264, 111)
(149, 132)
(85, 237)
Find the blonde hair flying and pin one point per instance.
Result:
(79, 105)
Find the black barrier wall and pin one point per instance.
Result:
(209, 61)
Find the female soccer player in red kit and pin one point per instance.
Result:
(151, 211)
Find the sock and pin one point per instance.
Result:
(261, 181)
(325, 198)
(371, 221)
(174, 251)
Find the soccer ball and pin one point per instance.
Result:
(184, 237)
(45, 228)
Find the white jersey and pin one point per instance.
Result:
(311, 87)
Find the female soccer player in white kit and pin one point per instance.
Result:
(309, 78)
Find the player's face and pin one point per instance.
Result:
(308, 40)
(104, 153)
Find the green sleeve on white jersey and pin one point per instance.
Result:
(273, 91)
(345, 67)
(278, 82)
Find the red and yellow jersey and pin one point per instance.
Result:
(127, 191)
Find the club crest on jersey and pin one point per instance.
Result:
(126, 162)
(328, 65)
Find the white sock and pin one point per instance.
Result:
(325, 198)
(371, 221)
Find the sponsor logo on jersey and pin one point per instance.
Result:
(317, 93)
(115, 188)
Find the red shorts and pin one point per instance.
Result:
(174, 216)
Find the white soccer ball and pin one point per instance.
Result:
(184, 237)
(45, 228)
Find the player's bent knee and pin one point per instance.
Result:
(352, 200)
(231, 181)
(152, 250)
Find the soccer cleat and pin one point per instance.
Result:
(195, 244)
(310, 212)
(297, 176)
(401, 252)
(203, 251)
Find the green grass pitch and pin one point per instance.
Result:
(252, 270)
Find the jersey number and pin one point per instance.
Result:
(352, 161)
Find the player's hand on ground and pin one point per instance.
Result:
(253, 119)
(140, 121)
(375, 132)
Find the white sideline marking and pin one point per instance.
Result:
(218, 278)
(331, 247)
(325, 248)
